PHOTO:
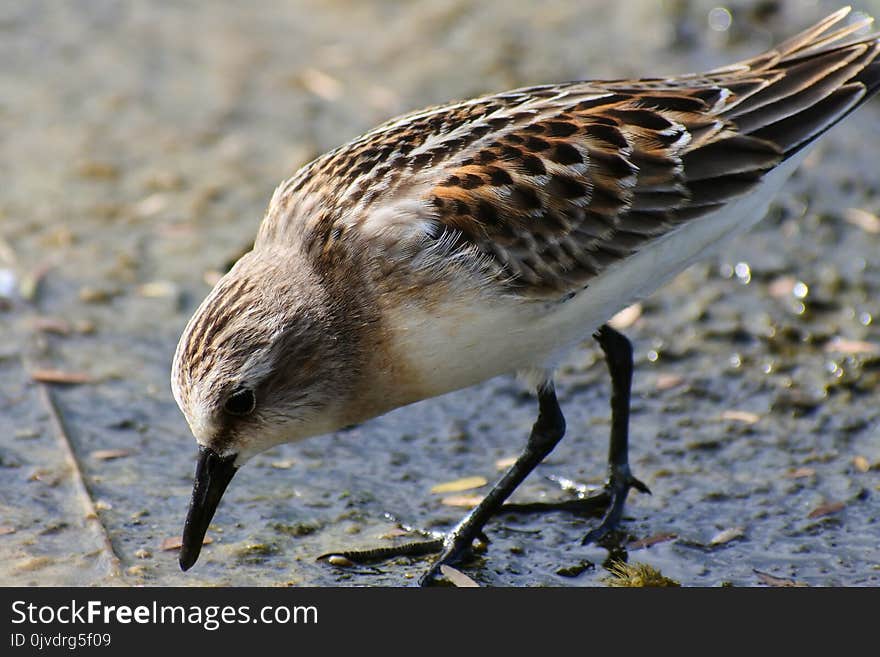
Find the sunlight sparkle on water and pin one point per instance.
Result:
(720, 19)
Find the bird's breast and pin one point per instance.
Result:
(428, 350)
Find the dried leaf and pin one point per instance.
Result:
(467, 483)
(662, 537)
(861, 464)
(668, 381)
(800, 473)
(175, 542)
(283, 464)
(826, 509)
(626, 317)
(61, 376)
(172, 543)
(110, 454)
(740, 416)
(464, 501)
(843, 346)
(772, 580)
(503, 464)
(457, 577)
(6, 529)
(727, 535)
(868, 222)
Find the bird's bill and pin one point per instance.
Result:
(213, 474)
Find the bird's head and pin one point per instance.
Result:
(264, 360)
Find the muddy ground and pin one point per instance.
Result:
(139, 145)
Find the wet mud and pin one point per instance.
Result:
(140, 147)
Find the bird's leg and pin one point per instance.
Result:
(546, 433)
(618, 356)
(608, 502)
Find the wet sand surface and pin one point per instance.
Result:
(139, 148)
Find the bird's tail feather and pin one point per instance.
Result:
(792, 94)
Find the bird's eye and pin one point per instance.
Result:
(240, 402)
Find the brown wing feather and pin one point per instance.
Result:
(561, 195)
(545, 187)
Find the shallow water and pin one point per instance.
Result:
(141, 145)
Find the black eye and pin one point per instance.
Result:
(240, 402)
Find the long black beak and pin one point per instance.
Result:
(213, 474)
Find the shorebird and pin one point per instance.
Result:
(491, 236)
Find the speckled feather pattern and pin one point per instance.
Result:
(543, 188)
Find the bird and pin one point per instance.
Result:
(492, 236)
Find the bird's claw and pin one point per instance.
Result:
(457, 547)
(617, 489)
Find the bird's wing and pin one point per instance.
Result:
(545, 187)
(556, 197)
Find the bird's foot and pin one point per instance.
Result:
(458, 546)
(616, 490)
(463, 541)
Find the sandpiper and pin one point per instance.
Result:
(488, 237)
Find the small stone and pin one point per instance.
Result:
(861, 464)
(339, 560)
(727, 535)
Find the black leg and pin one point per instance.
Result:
(546, 433)
(618, 356)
